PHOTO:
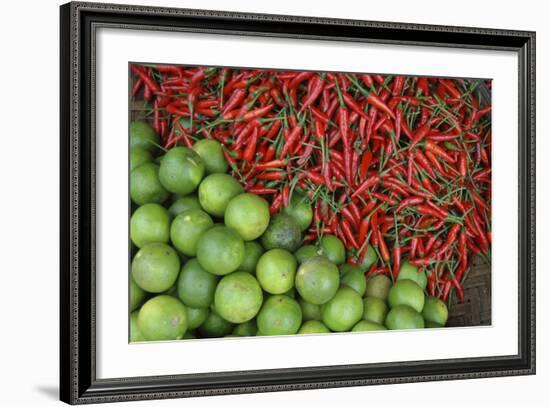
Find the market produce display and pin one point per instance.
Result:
(270, 202)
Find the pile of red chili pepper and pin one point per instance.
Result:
(402, 163)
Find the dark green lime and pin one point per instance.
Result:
(196, 317)
(135, 333)
(300, 210)
(252, 252)
(137, 295)
(247, 328)
(184, 203)
(214, 326)
(282, 233)
(310, 312)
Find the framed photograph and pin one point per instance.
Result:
(255, 203)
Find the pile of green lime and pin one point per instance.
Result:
(210, 260)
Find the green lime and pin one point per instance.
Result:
(196, 286)
(150, 223)
(406, 292)
(344, 268)
(369, 259)
(220, 250)
(137, 295)
(155, 267)
(282, 233)
(355, 279)
(181, 170)
(305, 252)
(378, 286)
(435, 311)
(404, 317)
(248, 214)
(313, 327)
(162, 318)
(430, 324)
(310, 312)
(410, 272)
(142, 135)
(343, 311)
(238, 297)
(135, 333)
(215, 326)
(211, 154)
(196, 317)
(187, 228)
(145, 186)
(317, 280)
(184, 203)
(139, 156)
(247, 328)
(215, 192)
(375, 310)
(368, 326)
(333, 249)
(300, 210)
(252, 253)
(276, 270)
(280, 315)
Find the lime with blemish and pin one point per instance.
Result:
(162, 318)
(378, 286)
(276, 270)
(155, 267)
(187, 228)
(215, 192)
(282, 233)
(317, 280)
(279, 315)
(181, 170)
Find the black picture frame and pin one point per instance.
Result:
(78, 382)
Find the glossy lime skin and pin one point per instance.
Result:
(375, 310)
(354, 279)
(162, 318)
(139, 156)
(368, 326)
(196, 286)
(184, 203)
(276, 271)
(252, 253)
(333, 249)
(317, 280)
(155, 267)
(406, 292)
(310, 312)
(238, 297)
(343, 311)
(187, 228)
(196, 317)
(137, 295)
(410, 272)
(404, 317)
(300, 210)
(214, 326)
(313, 327)
(282, 233)
(150, 223)
(211, 154)
(181, 170)
(435, 311)
(215, 192)
(247, 328)
(142, 135)
(145, 186)
(305, 252)
(378, 286)
(280, 315)
(220, 250)
(135, 332)
(248, 214)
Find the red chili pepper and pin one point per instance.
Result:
(384, 252)
(346, 228)
(293, 136)
(380, 105)
(438, 151)
(410, 201)
(149, 82)
(260, 112)
(396, 261)
(369, 182)
(262, 191)
(316, 90)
